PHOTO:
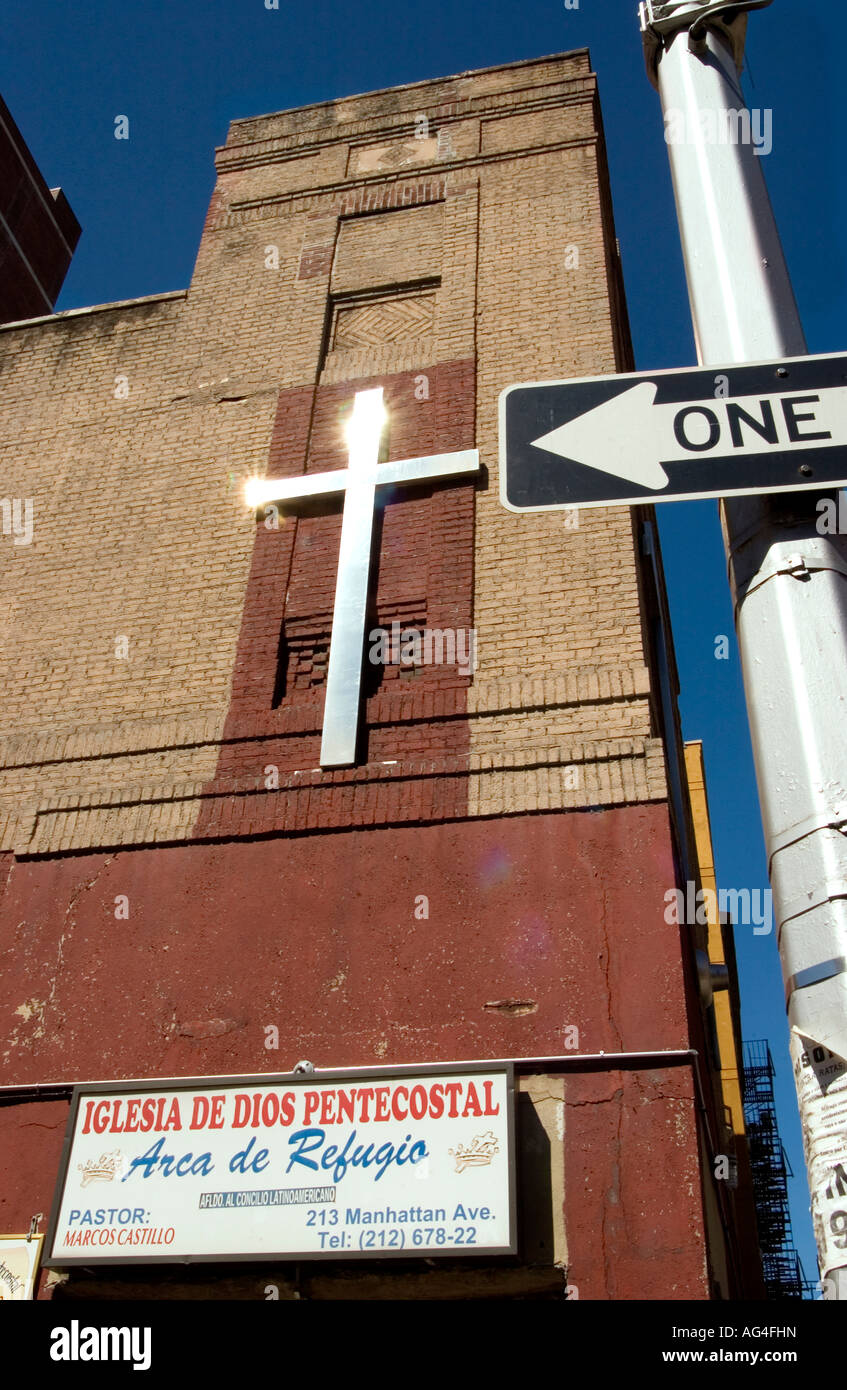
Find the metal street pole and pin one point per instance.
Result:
(789, 582)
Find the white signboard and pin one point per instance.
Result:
(372, 1163)
(19, 1267)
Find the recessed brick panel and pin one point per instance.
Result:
(388, 248)
(423, 558)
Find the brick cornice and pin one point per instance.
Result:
(96, 743)
(305, 200)
(397, 122)
(571, 775)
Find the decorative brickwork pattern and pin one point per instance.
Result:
(405, 318)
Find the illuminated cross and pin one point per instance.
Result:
(358, 481)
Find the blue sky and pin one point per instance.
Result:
(182, 69)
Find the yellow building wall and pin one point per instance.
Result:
(730, 1062)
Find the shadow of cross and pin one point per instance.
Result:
(358, 482)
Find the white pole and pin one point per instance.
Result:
(789, 582)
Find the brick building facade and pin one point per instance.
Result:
(164, 653)
(38, 230)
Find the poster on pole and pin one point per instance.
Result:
(334, 1165)
(821, 1079)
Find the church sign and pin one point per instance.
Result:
(336, 1165)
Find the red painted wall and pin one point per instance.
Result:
(536, 923)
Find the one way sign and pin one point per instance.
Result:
(668, 436)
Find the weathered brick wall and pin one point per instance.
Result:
(442, 240)
(421, 238)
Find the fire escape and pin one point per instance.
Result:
(784, 1277)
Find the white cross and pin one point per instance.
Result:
(358, 481)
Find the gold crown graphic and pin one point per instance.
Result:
(102, 1169)
(477, 1154)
